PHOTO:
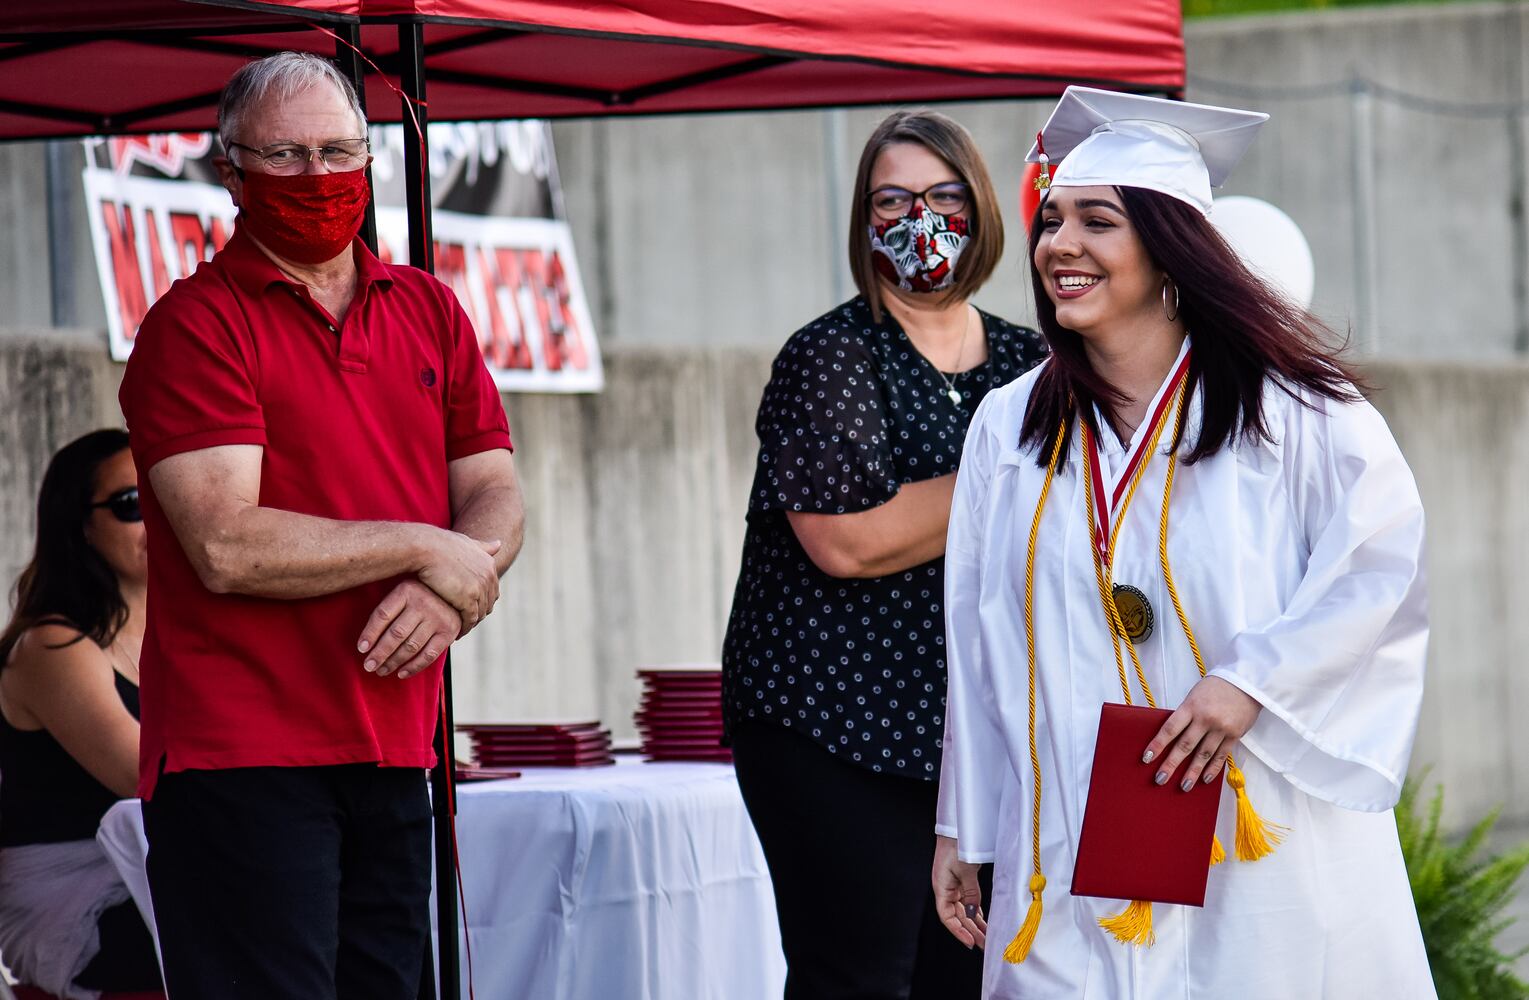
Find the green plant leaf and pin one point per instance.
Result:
(1460, 898)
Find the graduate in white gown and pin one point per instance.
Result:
(1195, 451)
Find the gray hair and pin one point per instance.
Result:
(282, 74)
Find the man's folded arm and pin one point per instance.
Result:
(212, 500)
(486, 501)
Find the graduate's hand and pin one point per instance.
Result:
(957, 893)
(410, 629)
(1207, 724)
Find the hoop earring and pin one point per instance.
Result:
(1175, 314)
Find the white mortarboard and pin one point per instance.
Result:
(1173, 147)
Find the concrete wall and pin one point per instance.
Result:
(1461, 428)
(47, 266)
(54, 386)
(1446, 233)
(636, 500)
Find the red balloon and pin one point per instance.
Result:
(1029, 198)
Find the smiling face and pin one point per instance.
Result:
(123, 544)
(1094, 267)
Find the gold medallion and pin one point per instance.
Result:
(1135, 613)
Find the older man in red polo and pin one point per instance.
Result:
(330, 501)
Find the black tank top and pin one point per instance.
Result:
(45, 795)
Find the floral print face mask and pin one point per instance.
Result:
(918, 252)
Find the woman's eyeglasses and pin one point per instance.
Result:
(123, 505)
(894, 202)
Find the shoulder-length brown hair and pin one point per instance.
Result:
(948, 140)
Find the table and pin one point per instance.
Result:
(641, 881)
(632, 882)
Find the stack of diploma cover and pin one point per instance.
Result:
(539, 744)
(1142, 840)
(681, 713)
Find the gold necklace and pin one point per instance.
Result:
(951, 391)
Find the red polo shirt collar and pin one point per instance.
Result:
(255, 272)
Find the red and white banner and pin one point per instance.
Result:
(156, 212)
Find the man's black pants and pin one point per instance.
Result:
(308, 883)
(850, 853)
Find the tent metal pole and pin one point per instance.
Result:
(411, 56)
(62, 178)
(348, 56)
(411, 60)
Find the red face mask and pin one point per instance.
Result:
(307, 218)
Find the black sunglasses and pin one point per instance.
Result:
(123, 505)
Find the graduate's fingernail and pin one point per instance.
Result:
(1187, 784)
(1162, 778)
(1207, 778)
(371, 666)
(1146, 758)
(363, 646)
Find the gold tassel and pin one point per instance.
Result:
(1256, 838)
(1133, 925)
(1217, 852)
(1019, 949)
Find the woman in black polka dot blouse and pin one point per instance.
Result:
(834, 661)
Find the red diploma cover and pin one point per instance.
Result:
(1141, 840)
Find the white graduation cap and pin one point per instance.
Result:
(1173, 147)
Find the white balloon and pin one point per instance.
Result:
(1269, 243)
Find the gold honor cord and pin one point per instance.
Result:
(1019, 948)
(1255, 837)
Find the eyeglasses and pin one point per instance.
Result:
(339, 155)
(123, 505)
(944, 199)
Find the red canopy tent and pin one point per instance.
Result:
(92, 67)
(78, 67)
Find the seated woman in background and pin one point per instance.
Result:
(69, 729)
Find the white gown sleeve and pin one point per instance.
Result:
(974, 758)
(1340, 672)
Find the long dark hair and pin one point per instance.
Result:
(1244, 334)
(68, 582)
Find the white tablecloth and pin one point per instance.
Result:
(633, 882)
